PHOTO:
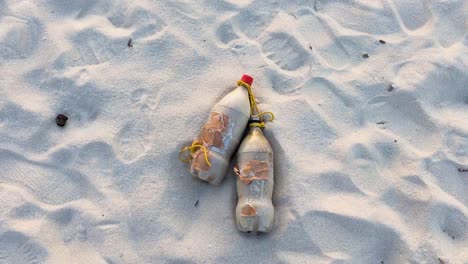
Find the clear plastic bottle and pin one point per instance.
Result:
(222, 134)
(255, 180)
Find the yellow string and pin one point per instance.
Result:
(253, 103)
(192, 149)
(260, 125)
(261, 122)
(254, 108)
(272, 116)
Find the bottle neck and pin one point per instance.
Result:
(255, 129)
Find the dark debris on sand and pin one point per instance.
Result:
(61, 120)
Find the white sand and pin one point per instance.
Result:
(365, 173)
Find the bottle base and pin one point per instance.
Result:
(256, 219)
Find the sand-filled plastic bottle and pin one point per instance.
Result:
(221, 134)
(255, 180)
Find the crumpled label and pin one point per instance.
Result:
(254, 170)
(212, 134)
(248, 210)
(213, 131)
(199, 161)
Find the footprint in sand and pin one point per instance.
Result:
(449, 21)
(293, 239)
(27, 211)
(143, 22)
(17, 248)
(48, 184)
(368, 241)
(451, 221)
(253, 23)
(75, 224)
(19, 37)
(282, 83)
(70, 224)
(311, 125)
(83, 104)
(16, 122)
(410, 202)
(321, 38)
(95, 47)
(373, 17)
(360, 154)
(335, 181)
(404, 116)
(457, 146)
(435, 84)
(333, 102)
(285, 51)
(413, 13)
(225, 32)
(145, 98)
(96, 156)
(71, 7)
(132, 141)
(75, 92)
(447, 177)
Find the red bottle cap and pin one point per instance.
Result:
(247, 79)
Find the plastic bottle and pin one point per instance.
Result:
(222, 134)
(255, 180)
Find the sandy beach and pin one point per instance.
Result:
(370, 136)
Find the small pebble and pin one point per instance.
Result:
(61, 120)
(129, 43)
(365, 55)
(382, 42)
(390, 88)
